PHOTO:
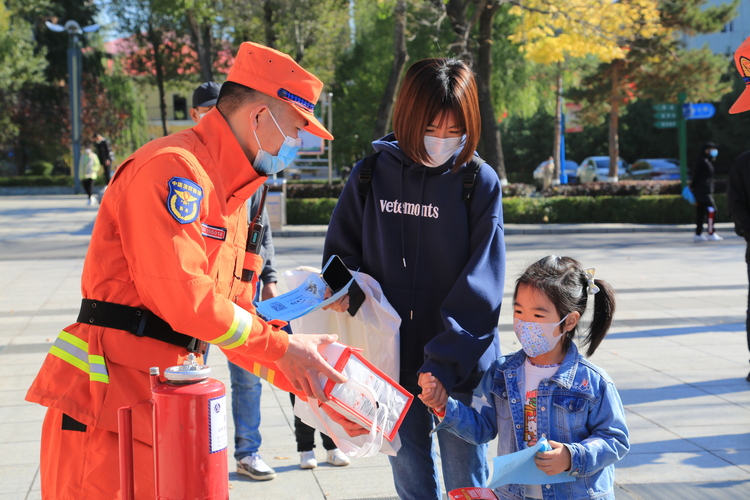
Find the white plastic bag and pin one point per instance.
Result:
(374, 329)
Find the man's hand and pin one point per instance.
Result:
(301, 364)
(554, 461)
(340, 305)
(433, 394)
(353, 429)
(269, 291)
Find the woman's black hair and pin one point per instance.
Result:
(566, 285)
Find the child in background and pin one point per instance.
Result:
(548, 389)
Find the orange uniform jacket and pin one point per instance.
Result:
(169, 237)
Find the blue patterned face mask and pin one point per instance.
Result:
(537, 338)
(269, 164)
(713, 152)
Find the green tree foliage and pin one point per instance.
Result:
(19, 67)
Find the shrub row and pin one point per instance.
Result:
(36, 180)
(602, 209)
(594, 189)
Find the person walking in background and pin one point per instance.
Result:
(548, 173)
(702, 186)
(423, 217)
(106, 156)
(89, 170)
(304, 435)
(738, 188)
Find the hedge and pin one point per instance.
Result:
(603, 209)
(36, 180)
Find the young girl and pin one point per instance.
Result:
(548, 389)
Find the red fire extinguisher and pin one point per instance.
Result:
(189, 415)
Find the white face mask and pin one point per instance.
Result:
(537, 338)
(200, 116)
(440, 150)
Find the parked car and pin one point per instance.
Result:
(596, 168)
(657, 169)
(571, 169)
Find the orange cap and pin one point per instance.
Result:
(742, 61)
(278, 75)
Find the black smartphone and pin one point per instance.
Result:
(337, 275)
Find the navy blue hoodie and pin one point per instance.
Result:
(440, 267)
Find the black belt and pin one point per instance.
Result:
(139, 322)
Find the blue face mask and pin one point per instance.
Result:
(714, 153)
(269, 164)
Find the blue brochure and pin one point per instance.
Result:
(302, 300)
(519, 468)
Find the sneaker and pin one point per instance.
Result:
(336, 457)
(699, 237)
(307, 460)
(93, 201)
(256, 468)
(714, 237)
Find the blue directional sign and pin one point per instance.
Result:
(700, 111)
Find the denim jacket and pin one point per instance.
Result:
(579, 407)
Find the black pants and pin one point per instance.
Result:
(701, 212)
(88, 186)
(747, 320)
(305, 435)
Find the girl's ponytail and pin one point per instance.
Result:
(604, 310)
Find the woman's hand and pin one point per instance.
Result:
(433, 394)
(340, 305)
(555, 461)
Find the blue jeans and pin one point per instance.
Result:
(245, 411)
(414, 468)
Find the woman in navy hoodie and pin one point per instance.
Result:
(440, 259)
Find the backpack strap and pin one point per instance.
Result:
(365, 173)
(470, 177)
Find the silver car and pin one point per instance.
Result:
(596, 168)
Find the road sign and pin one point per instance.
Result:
(666, 115)
(666, 124)
(700, 111)
(666, 107)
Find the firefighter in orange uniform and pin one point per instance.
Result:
(162, 277)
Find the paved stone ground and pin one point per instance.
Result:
(677, 352)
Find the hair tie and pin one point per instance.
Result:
(592, 288)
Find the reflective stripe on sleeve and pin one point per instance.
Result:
(238, 332)
(263, 372)
(73, 350)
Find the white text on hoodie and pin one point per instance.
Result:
(399, 207)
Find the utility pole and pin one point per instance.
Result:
(74, 88)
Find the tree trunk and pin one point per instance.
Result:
(614, 114)
(557, 139)
(400, 56)
(155, 40)
(456, 11)
(490, 144)
(200, 34)
(270, 33)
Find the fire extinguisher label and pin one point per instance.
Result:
(217, 423)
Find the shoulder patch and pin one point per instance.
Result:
(184, 199)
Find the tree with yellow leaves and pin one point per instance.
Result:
(552, 32)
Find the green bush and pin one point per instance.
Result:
(36, 180)
(560, 210)
(606, 209)
(309, 210)
(40, 168)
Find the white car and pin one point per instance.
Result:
(596, 168)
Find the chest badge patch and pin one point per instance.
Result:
(184, 199)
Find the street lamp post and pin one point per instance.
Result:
(74, 88)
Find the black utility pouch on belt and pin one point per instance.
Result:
(139, 322)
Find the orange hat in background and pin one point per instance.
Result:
(278, 75)
(742, 61)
